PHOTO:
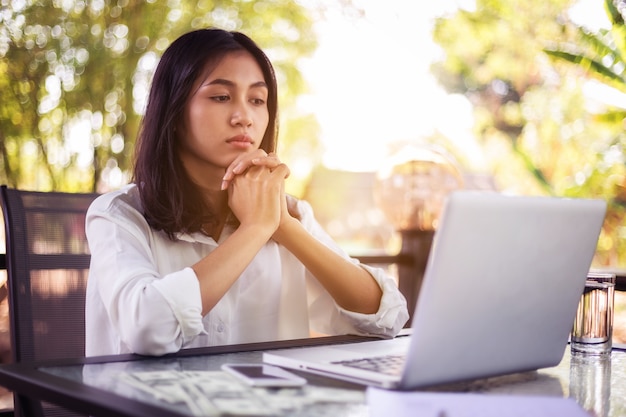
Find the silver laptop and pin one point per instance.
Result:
(499, 296)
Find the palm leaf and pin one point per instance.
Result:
(614, 15)
(598, 45)
(595, 68)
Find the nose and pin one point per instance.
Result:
(241, 117)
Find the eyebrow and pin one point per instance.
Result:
(227, 83)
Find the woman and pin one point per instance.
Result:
(205, 248)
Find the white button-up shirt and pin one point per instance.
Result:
(143, 297)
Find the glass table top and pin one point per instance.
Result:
(195, 385)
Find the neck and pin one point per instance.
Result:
(214, 230)
(218, 202)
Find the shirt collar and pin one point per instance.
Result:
(199, 237)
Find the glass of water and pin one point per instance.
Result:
(592, 331)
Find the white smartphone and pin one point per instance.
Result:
(261, 375)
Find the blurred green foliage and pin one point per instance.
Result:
(74, 75)
(539, 84)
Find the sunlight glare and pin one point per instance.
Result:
(379, 89)
(371, 84)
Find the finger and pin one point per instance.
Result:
(254, 173)
(270, 161)
(242, 162)
(281, 170)
(240, 165)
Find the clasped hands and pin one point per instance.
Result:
(256, 190)
(257, 158)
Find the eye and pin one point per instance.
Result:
(220, 98)
(258, 101)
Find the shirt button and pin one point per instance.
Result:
(220, 327)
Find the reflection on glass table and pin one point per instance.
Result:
(196, 386)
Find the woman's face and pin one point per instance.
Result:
(226, 115)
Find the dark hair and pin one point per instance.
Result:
(170, 199)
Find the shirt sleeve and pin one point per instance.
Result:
(328, 317)
(153, 313)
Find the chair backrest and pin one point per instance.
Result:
(47, 267)
(47, 260)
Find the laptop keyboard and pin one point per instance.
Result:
(388, 364)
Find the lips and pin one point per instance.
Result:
(240, 140)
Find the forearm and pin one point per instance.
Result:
(352, 287)
(221, 268)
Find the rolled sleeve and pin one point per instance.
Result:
(392, 313)
(328, 317)
(141, 296)
(181, 290)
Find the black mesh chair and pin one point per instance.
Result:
(47, 264)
